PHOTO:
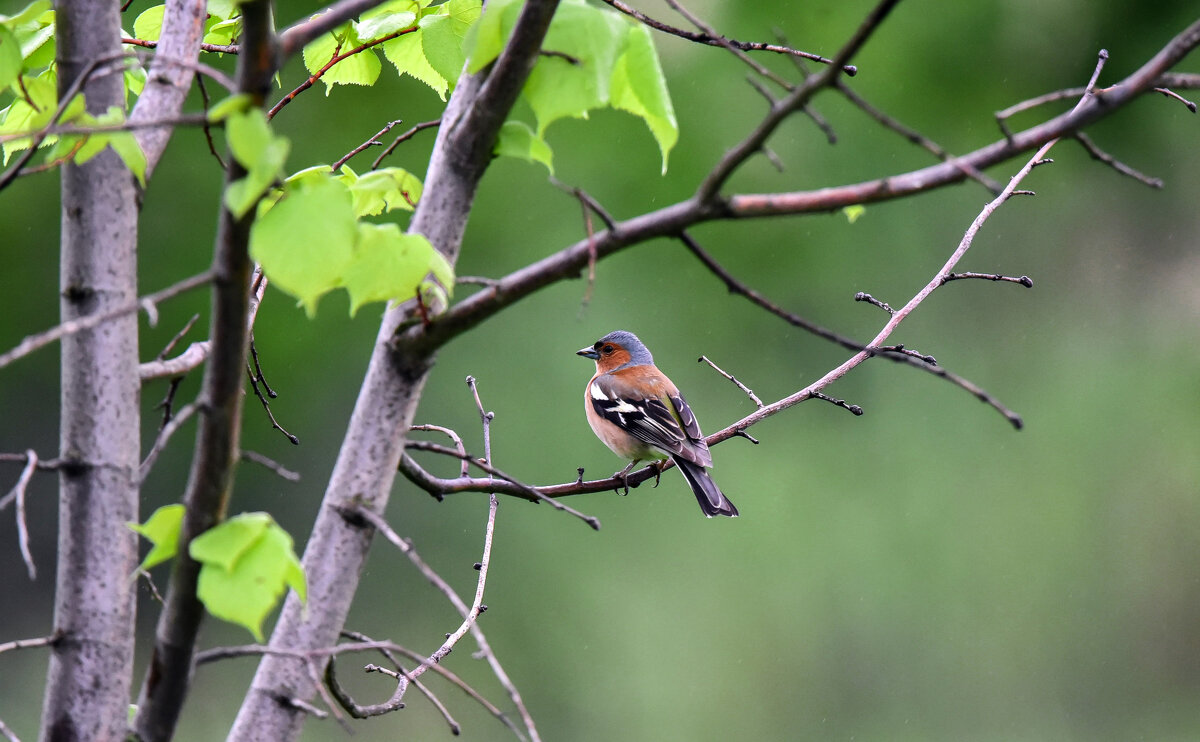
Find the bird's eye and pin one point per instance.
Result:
(606, 349)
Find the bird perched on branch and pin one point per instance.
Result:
(636, 411)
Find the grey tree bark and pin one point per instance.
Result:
(87, 686)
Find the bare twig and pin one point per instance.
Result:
(1025, 281)
(212, 148)
(469, 613)
(41, 641)
(204, 47)
(178, 366)
(531, 494)
(864, 296)
(178, 336)
(272, 464)
(160, 441)
(458, 444)
(703, 38)
(749, 392)
(70, 327)
(198, 352)
(337, 57)
(798, 98)
(372, 142)
(1114, 163)
(915, 137)
(18, 493)
(854, 409)
(302, 705)
(296, 37)
(257, 379)
(711, 33)
(1191, 106)
(404, 138)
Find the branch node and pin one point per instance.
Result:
(853, 408)
(864, 296)
(740, 433)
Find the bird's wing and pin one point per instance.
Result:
(665, 421)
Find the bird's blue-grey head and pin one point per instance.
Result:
(638, 353)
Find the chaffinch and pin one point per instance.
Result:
(636, 411)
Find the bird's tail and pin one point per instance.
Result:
(712, 500)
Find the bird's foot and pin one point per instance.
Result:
(623, 475)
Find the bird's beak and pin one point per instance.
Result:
(588, 352)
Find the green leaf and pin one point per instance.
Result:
(406, 53)
(10, 57)
(306, 240)
(387, 18)
(639, 87)
(27, 116)
(248, 135)
(258, 150)
(247, 563)
(227, 106)
(222, 33)
(135, 81)
(558, 87)
(149, 23)
(162, 530)
(489, 35)
(391, 266)
(518, 140)
(853, 212)
(34, 47)
(125, 144)
(28, 15)
(358, 69)
(379, 190)
(223, 9)
(443, 37)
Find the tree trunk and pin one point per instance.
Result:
(87, 687)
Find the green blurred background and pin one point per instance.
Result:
(923, 572)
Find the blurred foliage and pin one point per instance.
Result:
(922, 572)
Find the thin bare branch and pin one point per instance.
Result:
(1191, 105)
(338, 56)
(18, 493)
(87, 322)
(1025, 281)
(296, 37)
(749, 392)
(404, 138)
(1102, 156)
(710, 32)
(916, 137)
(372, 142)
(271, 464)
(531, 493)
(797, 99)
(211, 48)
(704, 38)
(160, 441)
(41, 641)
(458, 444)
